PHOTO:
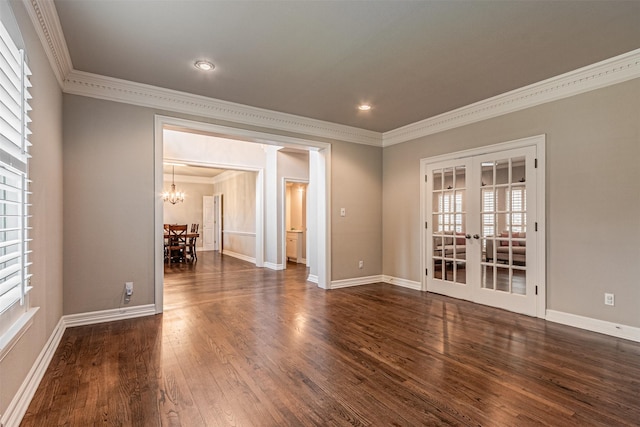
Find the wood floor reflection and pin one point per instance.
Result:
(241, 346)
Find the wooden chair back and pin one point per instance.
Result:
(177, 241)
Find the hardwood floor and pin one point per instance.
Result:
(240, 346)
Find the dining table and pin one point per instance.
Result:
(186, 236)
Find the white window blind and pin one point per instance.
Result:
(14, 183)
(451, 207)
(518, 207)
(488, 213)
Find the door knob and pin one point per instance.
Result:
(475, 236)
(467, 236)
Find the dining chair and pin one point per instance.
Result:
(177, 243)
(191, 243)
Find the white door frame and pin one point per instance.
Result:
(539, 142)
(206, 244)
(217, 220)
(323, 151)
(217, 230)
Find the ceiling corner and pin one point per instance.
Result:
(44, 17)
(595, 76)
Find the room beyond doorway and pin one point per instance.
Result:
(268, 218)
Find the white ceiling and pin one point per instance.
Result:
(319, 59)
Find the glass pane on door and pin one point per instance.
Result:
(503, 217)
(449, 224)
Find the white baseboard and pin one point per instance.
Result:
(240, 256)
(601, 326)
(356, 281)
(312, 278)
(274, 266)
(417, 286)
(81, 319)
(20, 402)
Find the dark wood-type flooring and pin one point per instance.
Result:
(240, 346)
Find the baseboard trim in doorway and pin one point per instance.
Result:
(312, 278)
(81, 319)
(595, 325)
(416, 286)
(240, 256)
(274, 266)
(356, 281)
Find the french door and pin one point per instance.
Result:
(480, 229)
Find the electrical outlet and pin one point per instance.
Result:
(360, 264)
(609, 299)
(128, 287)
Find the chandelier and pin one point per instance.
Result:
(173, 196)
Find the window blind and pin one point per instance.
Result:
(14, 182)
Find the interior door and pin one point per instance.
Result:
(447, 238)
(480, 237)
(208, 226)
(506, 225)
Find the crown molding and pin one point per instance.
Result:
(601, 74)
(108, 88)
(44, 18)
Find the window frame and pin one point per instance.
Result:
(15, 311)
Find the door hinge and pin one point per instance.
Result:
(536, 228)
(426, 271)
(425, 178)
(536, 289)
(426, 224)
(535, 163)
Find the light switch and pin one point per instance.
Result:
(343, 212)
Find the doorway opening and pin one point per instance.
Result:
(294, 237)
(269, 248)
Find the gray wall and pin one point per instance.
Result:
(46, 172)
(357, 187)
(108, 204)
(592, 197)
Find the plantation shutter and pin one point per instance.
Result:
(14, 183)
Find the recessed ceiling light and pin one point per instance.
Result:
(204, 65)
(364, 107)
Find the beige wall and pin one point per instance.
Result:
(238, 191)
(592, 197)
(46, 172)
(190, 211)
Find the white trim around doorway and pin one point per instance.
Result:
(322, 152)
